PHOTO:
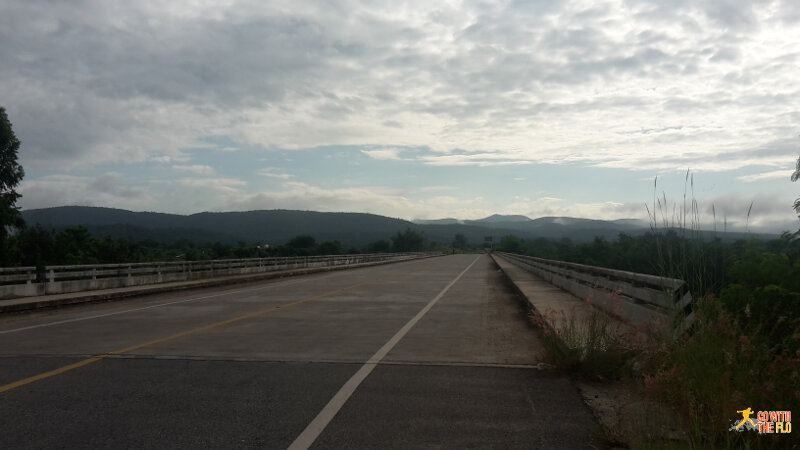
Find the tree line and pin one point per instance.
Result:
(757, 281)
(36, 246)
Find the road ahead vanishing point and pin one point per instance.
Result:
(433, 353)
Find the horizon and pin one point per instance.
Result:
(468, 222)
(429, 111)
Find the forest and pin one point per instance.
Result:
(37, 246)
(757, 280)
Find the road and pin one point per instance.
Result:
(434, 353)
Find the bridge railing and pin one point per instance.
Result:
(637, 298)
(27, 281)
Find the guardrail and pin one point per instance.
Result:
(27, 281)
(636, 298)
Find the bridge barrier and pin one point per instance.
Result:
(636, 298)
(28, 282)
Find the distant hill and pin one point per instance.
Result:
(448, 221)
(560, 227)
(276, 227)
(500, 219)
(263, 227)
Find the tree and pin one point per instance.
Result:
(302, 242)
(408, 241)
(381, 246)
(795, 177)
(11, 174)
(511, 244)
(330, 248)
(460, 241)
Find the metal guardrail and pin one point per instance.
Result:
(26, 281)
(637, 298)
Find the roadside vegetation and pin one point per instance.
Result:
(742, 352)
(36, 246)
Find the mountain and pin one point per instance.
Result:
(501, 219)
(263, 227)
(448, 221)
(277, 227)
(560, 227)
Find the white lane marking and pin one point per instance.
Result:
(194, 299)
(315, 428)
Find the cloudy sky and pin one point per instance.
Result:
(418, 110)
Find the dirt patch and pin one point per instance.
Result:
(628, 419)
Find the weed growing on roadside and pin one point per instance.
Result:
(743, 350)
(587, 341)
(720, 369)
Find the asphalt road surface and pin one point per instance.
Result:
(434, 353)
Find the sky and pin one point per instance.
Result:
(415, 110)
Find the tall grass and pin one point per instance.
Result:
(683, 250)
(721, 366)
(743, 350)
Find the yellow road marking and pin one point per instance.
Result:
(52, 373)
(97, 358)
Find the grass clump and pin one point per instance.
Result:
(721, 368)
(588, 342)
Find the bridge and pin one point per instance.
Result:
(422, 353)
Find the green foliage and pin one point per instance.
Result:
(330, 248)
(725, 366)
(795, 177)
(271, 227)
(38, 247)
(11, 174)
(408, 241)
(303, 245)
(512, 244)
(460, 241)
(708, 266)
(758, 266)
(590, 345)
(381, 246)
(743, 351)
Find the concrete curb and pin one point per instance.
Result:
(553, 300)
(524, 298)
(24, 304)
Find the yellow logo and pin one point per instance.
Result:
(746, 418)
(767, 422)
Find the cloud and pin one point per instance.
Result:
(271, 173)
(549, 81)
(109, 190)
(227, 185)
(198, 169)
(775, 174)
(169, 159)
(298, 195)
(768, 213)
(638, 85)
(384, 154)
(478, 159)
(437, 188)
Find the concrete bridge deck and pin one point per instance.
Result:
(432, 353)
